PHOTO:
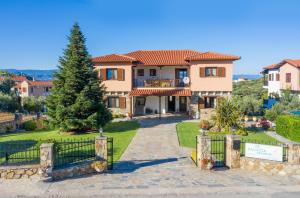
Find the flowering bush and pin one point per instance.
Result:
(265, 124)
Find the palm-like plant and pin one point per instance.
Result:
(227, 115)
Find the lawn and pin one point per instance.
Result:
(121, 132)
(187, 132)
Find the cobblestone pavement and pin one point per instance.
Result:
(154, 163)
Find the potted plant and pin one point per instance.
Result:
(204, 124)
(207, 163)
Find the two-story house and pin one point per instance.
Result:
(34, 88)
(161, 81)
(281, 76)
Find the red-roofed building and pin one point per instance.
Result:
(160, 81)
(28, 88)
(282, 75)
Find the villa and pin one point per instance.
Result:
(281, 76)
(33, 88)
(165, 81)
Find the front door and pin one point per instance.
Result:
(171, 103)
(139, 105)
(182, 103)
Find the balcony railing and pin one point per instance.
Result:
(160, 83)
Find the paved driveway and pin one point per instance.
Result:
(155, 164)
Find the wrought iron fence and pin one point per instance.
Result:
(218, 148)
(110, 153)
(20, 152)
(72, 152)
(271, 143)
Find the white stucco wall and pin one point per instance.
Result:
(273, 86)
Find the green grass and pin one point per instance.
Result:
(187, 132)
(121, 132)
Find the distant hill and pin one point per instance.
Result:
(36, 74)
(48, 74)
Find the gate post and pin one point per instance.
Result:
(101, 148)
(293, 156)
(203, 151)
(232, 151)
(46, 159)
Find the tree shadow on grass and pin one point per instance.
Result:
(19, 152)
(122, 126)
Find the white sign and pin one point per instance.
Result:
(262, 151)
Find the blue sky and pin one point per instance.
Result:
(33, 33)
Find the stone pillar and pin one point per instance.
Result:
(293, 154)
(232, 151)
(46, 160)
(203, 151)
(101, 148)
(47, 155)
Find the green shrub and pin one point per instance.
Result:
(30, 125)
(241, 132)
(288, 126)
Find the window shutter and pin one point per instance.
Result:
(103, 74)
(201, 103)
(122, 102)
(221, 72)
(277, 77)
(202, 72)
(121, 74)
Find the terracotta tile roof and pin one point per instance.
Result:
(113, 58)
(40, 83)
(293, 62)
(163, 57)
(213, 56)
(160, 92)
(15, 78)
(270, 66)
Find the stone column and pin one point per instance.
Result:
(101, 148)
(203, 151)
(46, 160)
(293, 154)
(47, 155)
(232, 152)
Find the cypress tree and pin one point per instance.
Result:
(76, 100)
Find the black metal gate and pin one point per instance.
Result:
(110, 153)
(218, 148)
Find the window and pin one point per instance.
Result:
(210, 71)
(113, 102)
(111, 74)
(31, 89)
(152, 72)
(277, 77)
(140, 72)
(288, 77)
(24, 90)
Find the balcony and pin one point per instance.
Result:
(160, 83)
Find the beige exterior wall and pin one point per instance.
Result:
(295, 80)
(115, 85)
(35, 91)
(211, 83)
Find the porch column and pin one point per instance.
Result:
(159, 108)
(130, 111)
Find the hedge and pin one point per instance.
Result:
(288, 126)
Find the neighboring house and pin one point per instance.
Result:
(28, 88)
(281, 76)
(160, 81)
(16, 79)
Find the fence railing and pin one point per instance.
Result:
(72, 152)
(110, 153)
(271, 143)
(19, 152)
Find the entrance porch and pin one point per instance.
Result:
(160, 101)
